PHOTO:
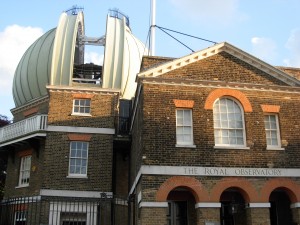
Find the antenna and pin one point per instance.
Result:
(152, 38)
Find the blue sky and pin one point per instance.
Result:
(267, 29)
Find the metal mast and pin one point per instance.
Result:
(152, 39)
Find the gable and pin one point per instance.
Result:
(222, 67)
(222, 62)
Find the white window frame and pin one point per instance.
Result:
(25, 167)
(81, 105)
(277, 130)
(71, 157)
(184, 143)
(20, 216)
(230, 146)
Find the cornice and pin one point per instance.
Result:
(33, 103)
(219, 84)
(77, 89)
(215, 49)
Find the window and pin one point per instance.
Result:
(72, 218)
(272, 131)
(20, 217)
(228, 123)
(82, 106)
(78, 158)
(184, 127)
(25, 171)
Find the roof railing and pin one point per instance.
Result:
(116, 13)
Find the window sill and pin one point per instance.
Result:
(275, 148)
(77, 176)
(22, 186)
(185, 146)
(232, 147)
(81, 114)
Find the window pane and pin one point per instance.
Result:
(230, 121)
(184, 131)
(78, 157)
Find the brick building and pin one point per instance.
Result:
(67, 149)
(215, 140)
(214, 136)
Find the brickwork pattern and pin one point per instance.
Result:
(223, 67)
(56, 163)
(207, 215)
(153, 216)
(159, 134)
(13, 171)
(103, 110)
(258, 216)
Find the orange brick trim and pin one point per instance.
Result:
(245, 187)
(30, 111)
(270, 108)
(291, 188)
(82, 95)
(192, 184)
(79, 137)
(183, 103)
(215, 94)
(24, 153)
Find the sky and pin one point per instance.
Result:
(266, 29)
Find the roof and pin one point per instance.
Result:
(33, 70)
(215, 49)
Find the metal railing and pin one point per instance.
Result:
(54, 211)
(33, 124)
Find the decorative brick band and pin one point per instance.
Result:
(183, 103)
(245, 187)
(79, 137)
(30, 111)
(289, 186)
(192, 184)
(270, 108)
(215, 94)
(83, 95)
(24, 153)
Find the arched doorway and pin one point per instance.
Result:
(181, 207)
(232, 207)
(280, 211)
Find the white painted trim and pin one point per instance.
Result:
(77, 89)
(153, 204)
(208, 205)
(138, 176)
(21, 200)
(56, 208)
(79, 194)
(139, 197)
(226, 147)
(119, 201)
(89, 130)
(295, 205)
(24, 138)
(214, 171)
(215, 49)
(185, 146)
(259, 205)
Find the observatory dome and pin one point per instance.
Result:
(33, 71)
(53, 59)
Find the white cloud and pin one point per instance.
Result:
(293, 45)
(93, 57)
(221, 12)
(264, 48)
(14, 41)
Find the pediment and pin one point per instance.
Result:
(216, 49)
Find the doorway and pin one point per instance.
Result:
(177, 213)
(232, 208)
(280, 211)
(181, 207)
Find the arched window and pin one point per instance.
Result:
(228, 123)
